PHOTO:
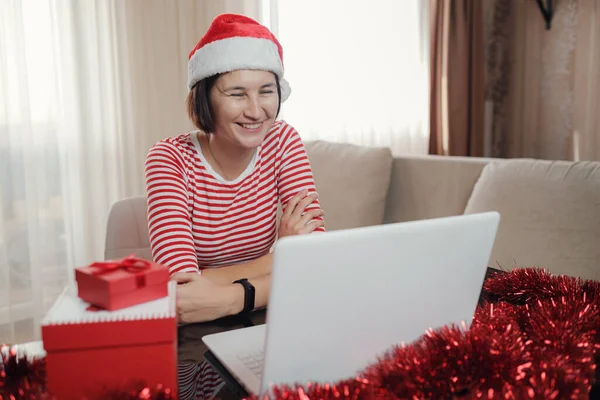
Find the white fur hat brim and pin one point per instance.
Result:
(250, 53)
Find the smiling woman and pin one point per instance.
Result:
(213, 193)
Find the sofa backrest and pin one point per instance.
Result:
(423, 187)
(362, 186)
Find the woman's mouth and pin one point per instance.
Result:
(251, 127)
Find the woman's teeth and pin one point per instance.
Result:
(251, 126)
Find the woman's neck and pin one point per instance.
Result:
(225, 158)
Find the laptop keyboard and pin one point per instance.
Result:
(253, 361)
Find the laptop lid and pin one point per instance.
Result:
(340, 299)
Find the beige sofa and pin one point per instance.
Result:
(550, 211)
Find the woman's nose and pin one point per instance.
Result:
(253, 109)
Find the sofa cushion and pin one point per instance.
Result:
(352, 182)
(550, 214)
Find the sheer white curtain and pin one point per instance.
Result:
(32, 239)
(359, 70)
(86, 88)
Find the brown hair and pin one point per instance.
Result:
(198, 104)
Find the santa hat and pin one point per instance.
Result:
(236, 42)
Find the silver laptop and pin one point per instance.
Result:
(340, 299)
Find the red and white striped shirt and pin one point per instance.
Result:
(199, 220)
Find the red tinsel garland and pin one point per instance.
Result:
(526, 285)
(21, 378)
(351, 389)
(538, 339)
(453, 362)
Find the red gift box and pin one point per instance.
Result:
(89, 352)
(122, 283)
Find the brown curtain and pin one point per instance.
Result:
(543, 85)
(456, 77)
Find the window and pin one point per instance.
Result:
(358, 70)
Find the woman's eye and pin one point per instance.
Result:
(266, 92)
(237, 94)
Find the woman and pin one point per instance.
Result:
(213, 194)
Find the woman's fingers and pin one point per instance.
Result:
(311, 226)
(291, 204)
(309, 216)
(305, 202)
(295, 218)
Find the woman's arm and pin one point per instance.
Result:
(295, 175)
(169, 223)
(251, 270)
(199, 299)
(296, 219)
(213, 295)
(262, 287)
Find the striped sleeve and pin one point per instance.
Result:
(295, 172)
(169, 221)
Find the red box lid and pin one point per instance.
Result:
(120, 280)
(69, 325)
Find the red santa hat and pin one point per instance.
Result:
(236, 42)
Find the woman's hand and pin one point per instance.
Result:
(295, 221)
(199, 299)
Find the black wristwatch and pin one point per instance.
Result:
(249, 294)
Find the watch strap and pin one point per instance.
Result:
(249, 295)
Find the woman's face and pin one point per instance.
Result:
(244, 105)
